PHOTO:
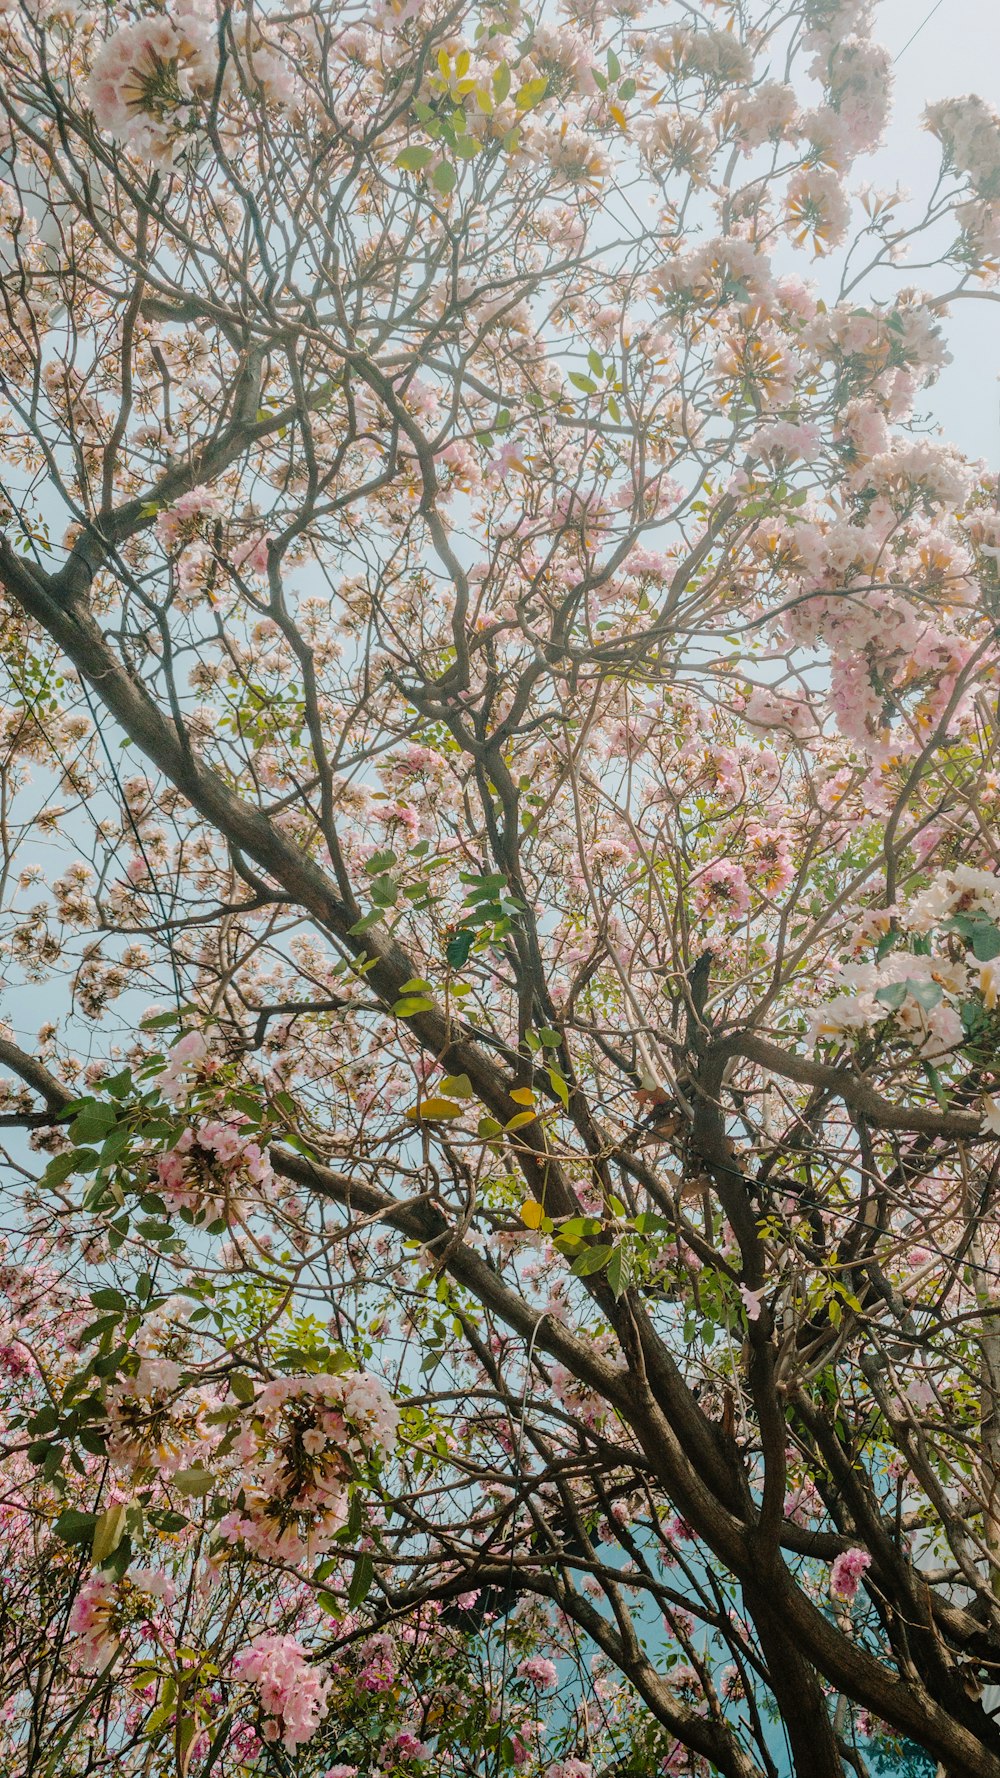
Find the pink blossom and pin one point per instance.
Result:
(406, 1746)
(847, 1572)
(751, 1300)
(185, 1057)
(721, 888)
(92, 1620)
(541, 1672)
(147, 76)
(292, 1690)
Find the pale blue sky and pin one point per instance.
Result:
(957, 51)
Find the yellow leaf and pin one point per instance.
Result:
(108, 1533)
(456, 1086)
(518, 1122)
(530, 93)
(532, 1214)
(523, 1096)
(619, 116)
(434, 1109)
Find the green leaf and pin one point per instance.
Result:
(361, 1581)
(407, 1007)
(501, 83)
(596, 363)
(157, 1720)
(937, 1087)
(926, 994)
(379, 862)
(892, 995)
(650, 1222)
(93, 1123)
(444, 177)
(241, 1387)
(60, 1167)
(559, 1086)
(366, 922)
(160, 1021)
(54, 1462)
(107, 1298)
(580, 1226)
(194, 1481)
(579, 381)
(75, 1527)
(95, 1330)
(169, 1522)
(615, 1268)
(985, 942)
(594, 1260)
(114, 1145)
(458, 948)
(415, 159)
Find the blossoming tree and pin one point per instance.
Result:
(501, 899)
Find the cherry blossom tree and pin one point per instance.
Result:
(501, 899)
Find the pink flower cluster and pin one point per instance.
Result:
(847, 1573)
(721, 890)
(378, 1674)
(146, 78)
(969, 132)
(212, 1167)
(919, 994)
(92, 1620)
(541, 1672)
(308, 1438)
(186, 1057)
(403, 1748)
(103, 1607)
(185, 518)
(292, 1690)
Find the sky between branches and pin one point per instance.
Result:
(957, 51)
